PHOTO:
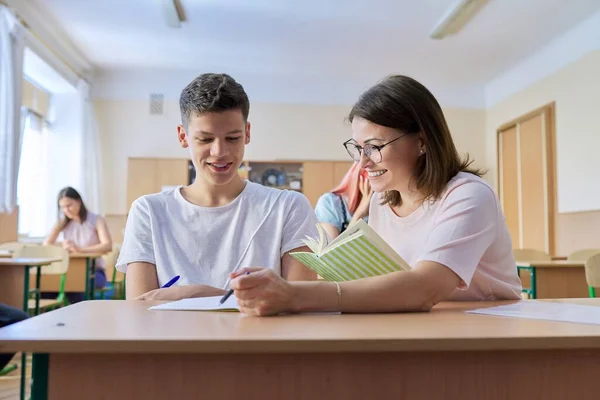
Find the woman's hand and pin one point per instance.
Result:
(261, 291)
(70, 246)
(365, 190)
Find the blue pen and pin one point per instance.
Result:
(171, 282)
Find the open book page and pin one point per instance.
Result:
(355, 258)
(361, 227)
(317, 246)
(357, 253)
(200, 304)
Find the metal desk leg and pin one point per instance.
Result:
(39, 390)
(38, 294)
(533, 282)
(25, 309)
(87, 279)
(92, 277)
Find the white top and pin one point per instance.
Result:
(204, 244)
(84, 234)
(463, 230)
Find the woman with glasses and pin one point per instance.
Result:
(346, 204)
(429, 205)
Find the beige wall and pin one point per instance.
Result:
(575, 89)
(280, 131)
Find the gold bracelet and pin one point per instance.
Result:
(339, 292)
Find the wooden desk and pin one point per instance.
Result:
(80, 276)
(14, 279)
(15, 290)
(119, 348)
(557, 279)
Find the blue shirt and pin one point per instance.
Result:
(330, 209)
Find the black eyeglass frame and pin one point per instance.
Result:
(360, 149)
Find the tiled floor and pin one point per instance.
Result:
(9, 384)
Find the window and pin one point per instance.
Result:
(32, 186)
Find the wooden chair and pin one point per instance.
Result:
(530, 255)
(582, 255)
(115, 286)
(12, 247)
(592, 273)
(56, 268)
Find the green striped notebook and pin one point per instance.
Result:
(357, 253)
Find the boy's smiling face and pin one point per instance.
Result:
(216, 141)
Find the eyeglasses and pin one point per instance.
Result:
(373, 152)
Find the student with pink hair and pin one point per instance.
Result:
(346, 204)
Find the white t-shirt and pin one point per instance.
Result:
(204, 244)
(463, 230)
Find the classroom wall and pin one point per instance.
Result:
(575, 89)
(282, 131)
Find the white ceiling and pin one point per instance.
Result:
(350, 43)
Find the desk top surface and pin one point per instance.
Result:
(23, 262)
(551, 263)
(107, 326)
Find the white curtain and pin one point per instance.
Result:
(11, 81)
(91, 176)
(37, 209)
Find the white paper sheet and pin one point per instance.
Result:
(545, 310)
(200, 304)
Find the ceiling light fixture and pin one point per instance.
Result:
(172, 12)
(456, 18)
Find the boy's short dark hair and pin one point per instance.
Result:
(213, 93)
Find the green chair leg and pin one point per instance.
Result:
(8, 369)
(62, 298)
(592, 291)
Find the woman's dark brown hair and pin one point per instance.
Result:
(402, 103)
(72, 194)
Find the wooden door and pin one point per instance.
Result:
(141, 178)
(340, 168)
(151, 175)
(526, 179)
(317, 179)
(171, 172)
(509, 188)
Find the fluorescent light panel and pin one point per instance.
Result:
(456, 18)
(172, 12)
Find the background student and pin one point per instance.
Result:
(82, 232)
(346, 204)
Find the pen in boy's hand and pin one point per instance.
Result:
(228, 294)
